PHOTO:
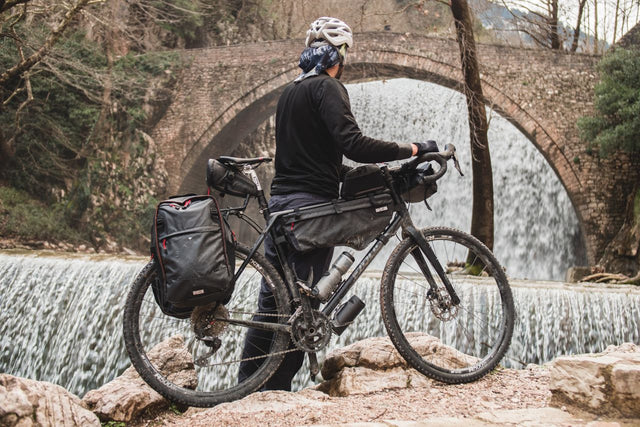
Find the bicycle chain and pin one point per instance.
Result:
(260, 314)
(277, 353)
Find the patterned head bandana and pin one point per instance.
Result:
(317, 58)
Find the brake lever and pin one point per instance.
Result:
(457, 164)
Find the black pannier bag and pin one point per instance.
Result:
(354, 223)
(362, 180)
(195, 253)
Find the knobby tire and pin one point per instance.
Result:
(143, 324)
(480, 327)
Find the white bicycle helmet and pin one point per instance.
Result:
(333, 30)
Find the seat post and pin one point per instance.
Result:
(262, 200)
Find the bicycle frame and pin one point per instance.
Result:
(300, 292)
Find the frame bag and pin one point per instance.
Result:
(195, 252)
(354, 223)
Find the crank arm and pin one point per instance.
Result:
(313, 365)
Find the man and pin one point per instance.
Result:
(314, 129)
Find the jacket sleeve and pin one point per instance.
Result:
(335, 109)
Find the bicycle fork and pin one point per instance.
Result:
(424, 248)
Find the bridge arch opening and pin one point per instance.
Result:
(251, 113)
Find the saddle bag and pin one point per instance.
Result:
(354, 223)
(195, 252)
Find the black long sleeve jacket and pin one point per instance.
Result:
(314, 129)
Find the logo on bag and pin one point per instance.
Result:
(382, 209)
(198, 292)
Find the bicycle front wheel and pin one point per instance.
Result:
(448, 342)
(218, 357)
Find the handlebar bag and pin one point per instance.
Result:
(411, 185)
(354, 223)
(362, 180)
(195, 252)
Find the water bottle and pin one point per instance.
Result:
(346, 314)
(330, 280)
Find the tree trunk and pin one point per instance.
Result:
(553, 26)
(615, 21)
(482, 211)
(576, 32)
(595, 27)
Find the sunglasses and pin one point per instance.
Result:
(343, 52)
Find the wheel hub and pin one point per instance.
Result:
(441, 305)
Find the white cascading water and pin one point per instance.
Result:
(535, 224)
(61, 318)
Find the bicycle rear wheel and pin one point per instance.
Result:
(145, 326)
(476, 333)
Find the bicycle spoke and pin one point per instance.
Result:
(475, 330)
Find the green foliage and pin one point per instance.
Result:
(181, 17)
(76, 151)
(52, 131)
(616, 125)
(114, 424)
(22, 216)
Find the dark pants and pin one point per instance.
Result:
(257, 342)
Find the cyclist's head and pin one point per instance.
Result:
(326, 46)
(330, 31)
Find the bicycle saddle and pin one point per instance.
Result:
(243, 161)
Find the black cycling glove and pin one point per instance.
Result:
(426, 147)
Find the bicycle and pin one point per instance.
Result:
(438, 282)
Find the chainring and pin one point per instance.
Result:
(311, 337)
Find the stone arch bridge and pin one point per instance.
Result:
(224, 93)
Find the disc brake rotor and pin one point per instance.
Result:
(441, 305)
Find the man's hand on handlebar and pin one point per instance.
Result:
(420, 148)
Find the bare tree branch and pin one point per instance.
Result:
(36, 57)
(8, 4)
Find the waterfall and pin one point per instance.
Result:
(61, 319)
(535, 224)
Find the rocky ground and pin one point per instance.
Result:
(366, 385)
(393, 394)
(503, 389)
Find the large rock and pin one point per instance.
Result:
(128, 396)
(606, 383)
(25, 402)
(374, 364)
